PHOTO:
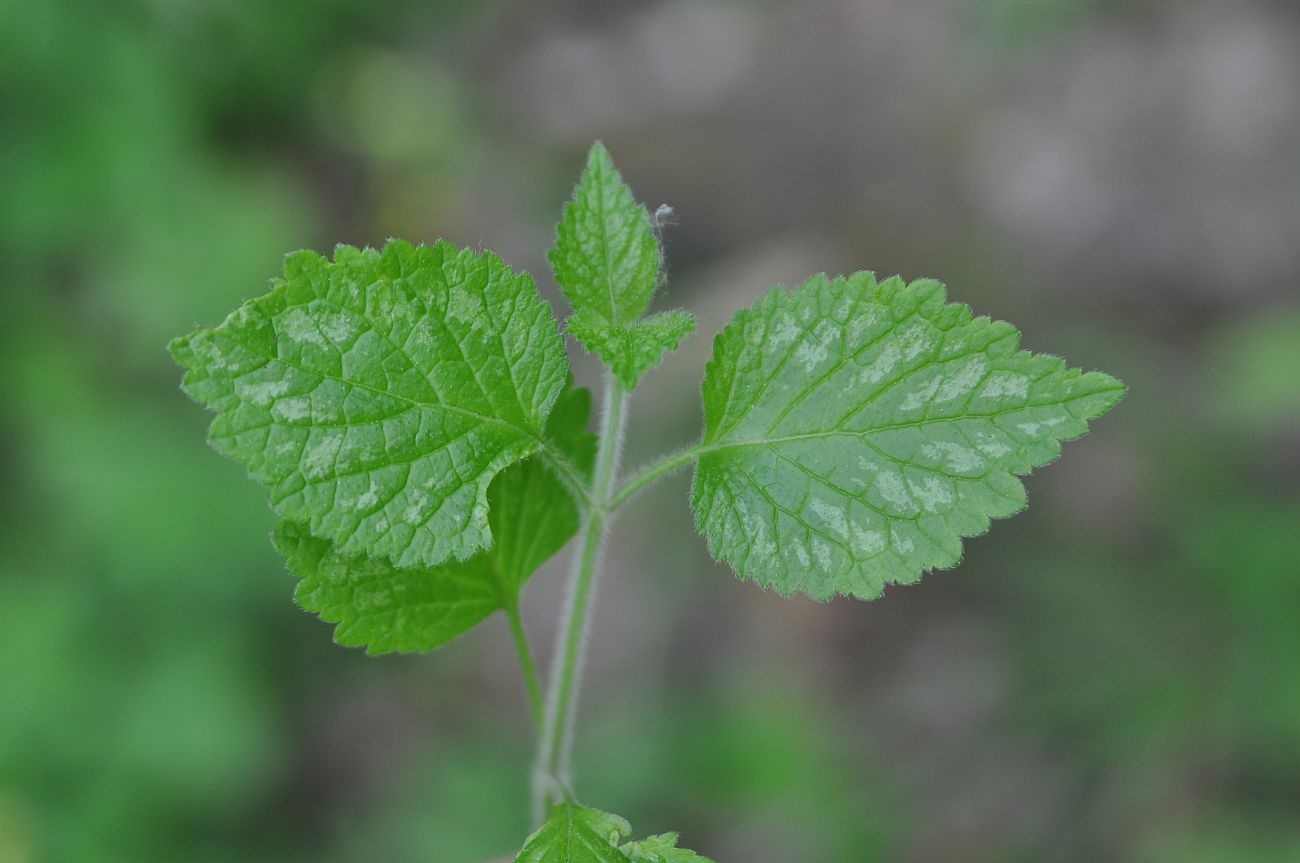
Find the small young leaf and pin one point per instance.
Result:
(375, 397)
(661, 849)
(575, 834)
(606, 257)
(631, 351)
(385, 609)
(855, 431)
(607, 261)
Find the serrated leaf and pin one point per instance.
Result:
(575, 834)
(631, 351)
(855, 431)
(661, 848)
(384, 609)
(376, 396)
(606, 256)
(607, 260)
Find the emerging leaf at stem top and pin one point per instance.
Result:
(607, 261)
(383, 608)
(575, 834)
(376, 396)
(855, 431)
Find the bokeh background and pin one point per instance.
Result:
(1113, 675)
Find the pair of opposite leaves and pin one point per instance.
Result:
(411, 414)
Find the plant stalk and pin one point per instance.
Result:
(526, 663)
(552, 776)
(649, 475)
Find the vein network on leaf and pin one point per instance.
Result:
(411, 416)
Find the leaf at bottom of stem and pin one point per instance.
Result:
(576, 834)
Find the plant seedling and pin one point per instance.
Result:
(410, 413)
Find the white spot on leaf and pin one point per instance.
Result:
(867, 542)
(786, 331)
(963, 381)
(262, 392)
(933, 493)
(810, 355)
(917, 398)
(957, 458)
(903, 543)
(1006, 384)
(291, 409)
(891, 488)
(832, 516)
(822, 552)
(298, 327)
(882, 365)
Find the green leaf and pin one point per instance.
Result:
(575, 834)
(661, 848)
(855, 431)
(376, 397)
(631, 351)
(531, 513)
(606, 257)
(607, 261)
(385, 609)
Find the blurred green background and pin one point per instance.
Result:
(1113, 675)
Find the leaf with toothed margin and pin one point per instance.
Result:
(384, 609)
(631, 351)
(575, 834)
(855, 431)
(376, 396)
(607, 261)
(661, 848)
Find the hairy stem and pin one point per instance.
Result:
(649, 475)
(567, 474)
(526, 663)
(553, 772)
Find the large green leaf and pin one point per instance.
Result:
(383, 608)
(855, 431)
(607, 260)
(376, 396)
(575, 834)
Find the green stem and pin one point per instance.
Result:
(647, 476)
(553, 772)
(526, 663)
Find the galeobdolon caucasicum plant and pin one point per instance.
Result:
(411, 415)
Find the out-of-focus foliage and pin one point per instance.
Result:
(1111, 676)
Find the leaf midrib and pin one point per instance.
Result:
(707, 448)
(523, 432)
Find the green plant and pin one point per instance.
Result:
(411, 414)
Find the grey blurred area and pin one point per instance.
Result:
(1112, 675)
